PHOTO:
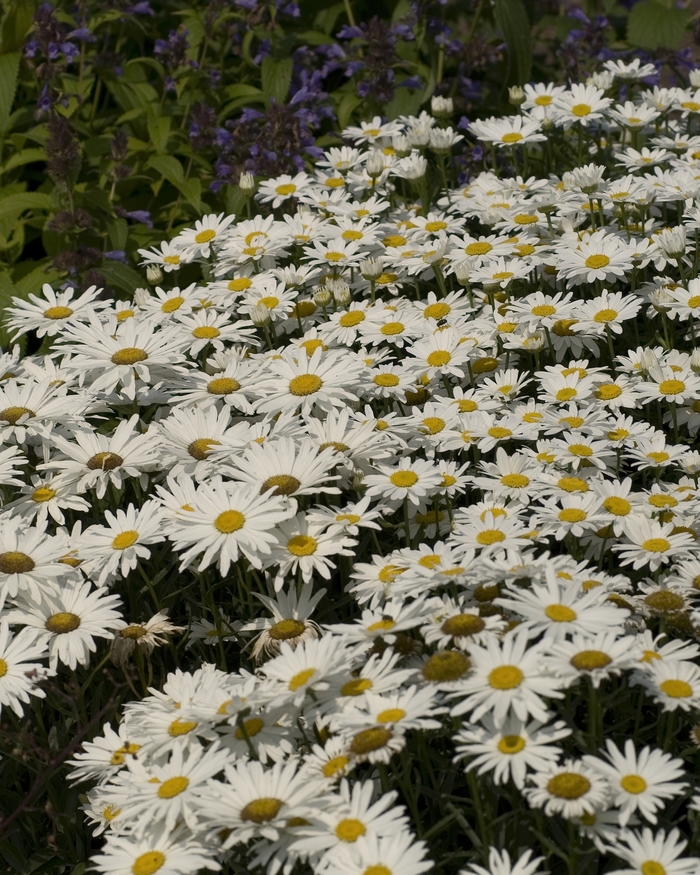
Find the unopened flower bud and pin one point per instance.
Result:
(322, 296)
(694, 76)
(695, 361)
(401, 145)
(141, 296)
(375, 163)
(247, 184)
(441, 107)
(339, 289)
(154, 274)
(259, 315)
(516, 95)
(371, 268)
(358, 478)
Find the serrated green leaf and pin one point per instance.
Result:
(15, 24)
(9, 65)
(26, 156)
(511, 19)
(276, 78)
(16, 204)
(652, 25)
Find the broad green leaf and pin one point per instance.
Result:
(9, 65)
(118, 231)
(15, 24)
(511, 19)
(406, 101)
(121, 276)
(242, 90)
(26, 156)
(16, 204)
(34, 279)
(276, 78)
(326, 19)
(314, 38)
(169, 168)
(652, 25)
(159, 131)
(348, 105)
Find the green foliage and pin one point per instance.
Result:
(656, 24)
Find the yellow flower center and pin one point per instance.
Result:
(301, 678)
(205, 332)
(172, 304)
(439, 358)
(581, 109)
(656, 545)
(404, 479)
(382, 625)
(605, 315)
(490, 536)
(676, 689)
(43, 493)
(391, 328)
(596, 262)
(525, 219)
(351, 318)
(543, 310)
(506, 677)
(445, 666)
(205, 236)
(223, 386)
(199, 449)
(671, 387)
(511, 744)
(305, 384)
(14, 414)
(634, 784)
(58, 312)
(130, 355)
(560, 613)
(590, 660)
(480, 248)
(302, 545)
(335, 766)
(608, 391)
(356, 687)
(437, 311)
(3, 668)
(377, 869)
(664, 601)
(391, 715)
(181, 727)
(229, 521)
(173, 787)
(284, 630)
(572, 515)
(125, 539)
(368, 740)
(511, 137)
(251, 728)
(651, 867)
(462, 625)
(350, 829)
(148, 863)
(433, 424)
(286, 188)
(580, 450)
(62, 622)
(15, 562)
(281, 484)
(568, 785)
(262, 810)
(385, 380)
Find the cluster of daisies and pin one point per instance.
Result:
(444, 454)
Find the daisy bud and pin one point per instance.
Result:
(441, 107)
(516, 95)
(322, 296)
(647, 361)
(463, 272)
(546, 124)
(154, 274)
(695, 361)
(375, 163)
(358, 478)
(340, 291)
(259, 315)
(690, 463)
(660, 300)
(141, 297)
(442, 140)
(419, 137)
(247, 184)
(603, 80)
(695, 77)
(671, 241)
(371, 268)
(401, 145)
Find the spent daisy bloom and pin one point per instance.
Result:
(68, 623)
(507, 676)
(640, 780)
(290, 622)
(570, 789)
(146, 636)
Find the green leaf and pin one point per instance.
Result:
(121, 276)
(15, 24)
(241, 90)
(159, 131)
(347, 106)
(325, 20)
(26, 156)
(276, 78)
(16, 204)
(511, 19)
(9, 65)
(7, 293)
(653, 25)
(118, 231)
(171, 169)
(406, 101)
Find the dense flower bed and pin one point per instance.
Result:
(429, 467)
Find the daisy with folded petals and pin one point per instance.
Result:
(649, 853)
(507, 676)
(19, 676)
(641, 780)
(500, 864)
(229, 520)
(70, 621)
(115, 549)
